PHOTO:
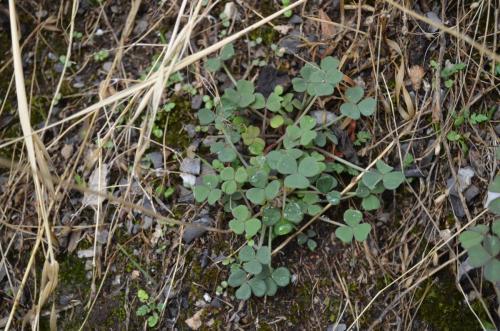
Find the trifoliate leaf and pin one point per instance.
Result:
(237, 277)
(352, 217)
(281, 276)
(246, 254)
(264, 255)
(361, 231)
(393, 179)
(253, 267)
(296, 181)
(241, 212)
(256, 195)
(344, 233)
(354, 94)
(258, 286)
(333, 198)
(244, 292)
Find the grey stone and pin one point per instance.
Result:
(191, 233)
(191, 166)
(471, 192)
(156, 158)
(196, 101)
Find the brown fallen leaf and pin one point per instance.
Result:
(194, 322)
(416, 74)
(327, 28)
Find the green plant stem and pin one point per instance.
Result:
(229, 74)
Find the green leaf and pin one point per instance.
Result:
(260, 101)
(237, 226)
(350, 110)
(478, 256)
(227, 154)
(329, 63)
(274, 102)
(362, 191)
(352, 217)
(244, 292)
(277, 121)
(307, 137)
(393, 179)
(227, 52)
(205, 116)
(256, 195)
(271, 216)
(237, 277)
(299, 84)
(213, 64)
(273, 189)
(469, 239)
(282, 228)
(325, 183)
(296, 181)
(383, 167)
(281, 276)
(246, 254)
(371, 202)
(371, 179)
(361, 231)
(344, 233)
(245, 89)
(309, 167)
(367, 106)
(227, 173)
(271, 287)
(312, 245)
(494, 206)
(142, 295)
(153, 320)
(142, 310)
(200, 193)
(264, 255)
(229, 187)
(293, 213)
(495, 185)
(253, 267)
(241, 175)
(287, 165)
(252, 226)
(307, 122)
(258, 286)
(210, 181)
(214, 196)
(492, 245)
(259, 179)
(495, 227)
(492, 271)
(257, 147)
(314, 209)
(333, 198)
(241, 213)
(354, 94)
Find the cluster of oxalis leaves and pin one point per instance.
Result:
(483, 245)
(270, 185)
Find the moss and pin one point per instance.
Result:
(443, 306)
(175, 120)
(268, 34)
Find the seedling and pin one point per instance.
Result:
(102, 55)
(149, 308)
(307, 239)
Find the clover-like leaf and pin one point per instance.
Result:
(200, 193)
(237, 277)
(352, 217)
(244, 292)
(371, 202)
(240, 175)
(354, 94)
(470, 239)
(309, 167)
(492, 271)
(241, 213)
(252, 226)
(344, 233)
(287, 165)
(271, 216)
(253, 267)
(264, 255)
(333, 198)
(256, 195)
(258, 286)
(282, 228)
(371, 179)
(272, 189)
(293, 212)
(296, 181)
(237, 226)
(271, 287)
(325, 183)
(205, 116)
(393, 179)
(246, 254)
(383, 167)
(478, 256)
(361, 231)
(355, 107)
(281, 276)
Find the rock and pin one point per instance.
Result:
(147, 222)
(140, 26)
(269, 77)
(191, 233)
(336, 327)
(290, 44)
(188, 180)
(190, 130)
(156, 158)
(295, 19)
(185, 195)
(190, 166)
(464, 177)
(471, 193)
(102, 236)
(85, 253)
(106, 66)
(196, 102)
(434, 18)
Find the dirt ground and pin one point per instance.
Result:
(411, 273)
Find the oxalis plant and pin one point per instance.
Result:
(270, 173)
(482, 243)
